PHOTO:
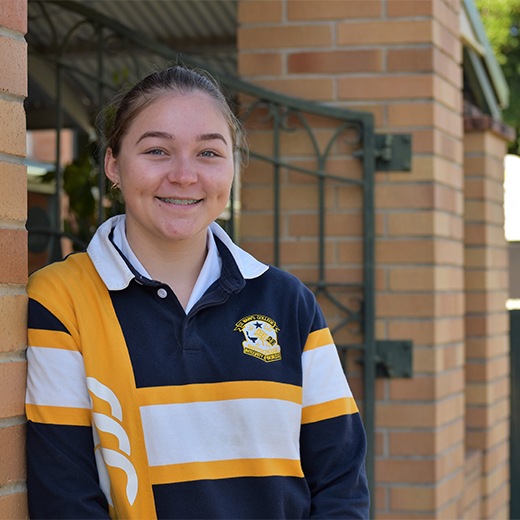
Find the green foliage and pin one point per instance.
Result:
(501, 20)
(80, 183)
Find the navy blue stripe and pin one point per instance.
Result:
(241, 498)
(42, 318)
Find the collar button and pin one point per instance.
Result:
(162, 293)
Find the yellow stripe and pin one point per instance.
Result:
(58, 415)
(219, 469)
(51, 338)
(219, 392)
(318, 338)
(328, 410)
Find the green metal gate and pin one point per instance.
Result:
(334, 136)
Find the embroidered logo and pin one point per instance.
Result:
(261, 337)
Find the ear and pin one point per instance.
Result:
(111, 168)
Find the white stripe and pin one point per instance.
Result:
(56, 377)
(323, 377)
(221, 430)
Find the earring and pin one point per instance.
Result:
(114, 186)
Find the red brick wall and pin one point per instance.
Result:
(13, 257)
(401, 60)
(487, 321)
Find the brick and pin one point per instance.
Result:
(262, 250)
(448, 94)
(484, 235)
(303, 252)
(425, 223)
(426, 279)
(493, 481)
(487, 439)
(483, 211)
(13, 186)
(487, 371)
(12, 454)
(13, 14)
(487, 325)
(335, 62)
(259, 11)
(12, 388)
(332, 9)
(412, 498)
(447, 42)
(484, 166)
(385, 87)
(12, 134)
(13, 256)
(482, 188)
(403, 8)
(496, 506)
(384, 32)
(410, 60)
(424, 443)
(13, 322)
(479, 256)
(283, 37)
(497, 455)
(447, 68)
(486, 302)
(405, 471)
(487, 393)
(336, 224)
(351, 252)
(259, 64)
(315, 89)
(487, 280)
(427, 388)
(485, 142)
(483, 417)
(14, 506)
(487, 347)
(13, 64)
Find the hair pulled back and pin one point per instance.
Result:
(175, 80)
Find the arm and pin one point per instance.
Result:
(332, 439)
(62, 478)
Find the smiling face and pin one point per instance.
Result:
(174, 169)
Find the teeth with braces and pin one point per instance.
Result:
(183, 202)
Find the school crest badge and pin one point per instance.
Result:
(261, 339)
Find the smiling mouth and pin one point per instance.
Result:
(181, 202)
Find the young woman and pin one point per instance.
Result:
(172, 375)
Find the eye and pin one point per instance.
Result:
(155, 151)
(209, 153)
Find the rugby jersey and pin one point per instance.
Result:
(237, 409)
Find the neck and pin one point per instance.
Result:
(177, 264)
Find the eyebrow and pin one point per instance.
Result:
(166, 135)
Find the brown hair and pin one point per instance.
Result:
(177, 80)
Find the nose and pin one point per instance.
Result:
(182, 172)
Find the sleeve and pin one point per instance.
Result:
(62, 477)
(332, 438)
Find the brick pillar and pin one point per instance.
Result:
(487, 321)
(13, 257)
(401, 60)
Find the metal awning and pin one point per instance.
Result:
(59, 33)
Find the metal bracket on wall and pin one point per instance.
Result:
(394, 358)
(393, 152)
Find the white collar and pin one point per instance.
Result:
(116, 274)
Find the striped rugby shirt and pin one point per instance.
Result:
(238, 409)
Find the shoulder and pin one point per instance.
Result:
(71, 272)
